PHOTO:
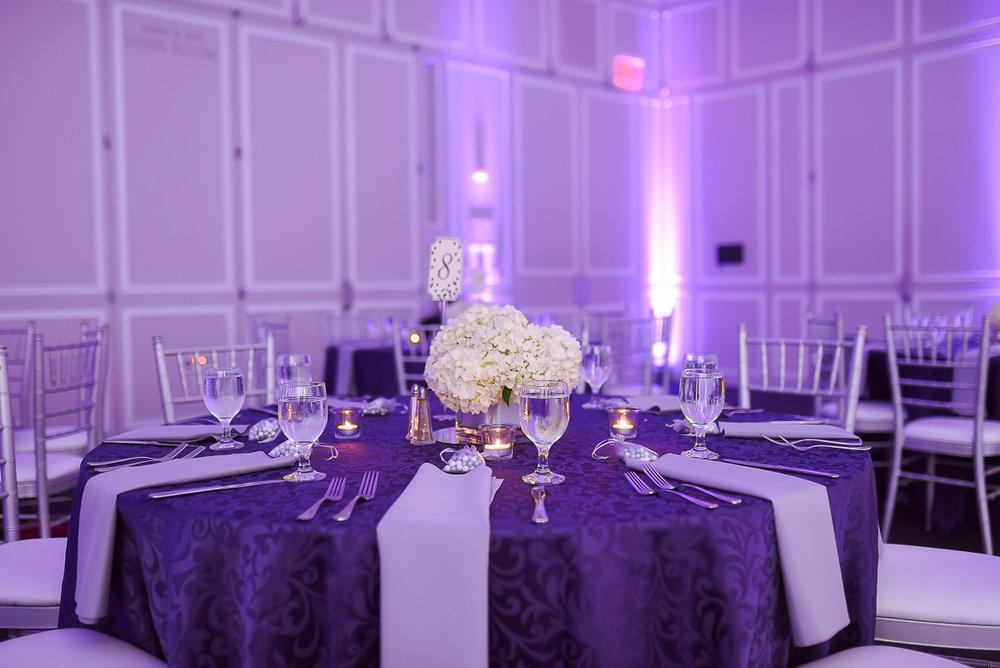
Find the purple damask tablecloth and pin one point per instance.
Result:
(614, 579)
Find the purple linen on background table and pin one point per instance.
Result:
(614, 579)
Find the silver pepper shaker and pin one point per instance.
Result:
(419, 432)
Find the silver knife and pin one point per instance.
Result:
(212, 488)
(782, 467)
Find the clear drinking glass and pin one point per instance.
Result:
(224, 392)
(596, 369)
(302, 415)
(544, 418)
(702, 394)
(294, 368)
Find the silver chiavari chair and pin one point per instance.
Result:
(805, 368)
(187, 366)
(411, 346)
(19, 343)
(336, 328)
(942, 370)
(277, 324)
(825, 327)
(101, 334)
(31, 571)
(940, 317)
(632, 341)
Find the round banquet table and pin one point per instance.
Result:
(614, 579)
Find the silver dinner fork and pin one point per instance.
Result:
(642, 488)
(334, 492)
(818, 443)
(665, 484)
(170, 455)
(365, 493)
(173, 454)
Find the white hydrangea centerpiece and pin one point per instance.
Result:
(478, 359)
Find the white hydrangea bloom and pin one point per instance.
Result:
(487, 348)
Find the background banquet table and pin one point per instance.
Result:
(614, 579)
(372, 372)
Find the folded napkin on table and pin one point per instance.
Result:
(175, 433)
(434, 545)
(807, 545)
(346, 403)
(786, 429)
(660, 402)
(99, 513)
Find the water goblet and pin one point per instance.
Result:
(702, 394)
(544, 418)
(302, 415)
(596, 369)
(224, 393)
(294, 368)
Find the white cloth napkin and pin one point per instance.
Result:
(663, 402)
(434, 545)
(99, 513)
(175, 432)
(786, 429)
(345, 403)
(807, 545)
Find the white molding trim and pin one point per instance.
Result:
(519, 227)
(918, 62)
(461, 44)
(824, 297)
(776, 89)
(720, 43)
(225, 139)
(100, 284)
(631, 270)
(894, 66)
(246, 164)
(98, 314)
(823, 56)
(959, 297)
(413, 280)
(701, 297)
(793, 63)
(373, 28)
(642, 13)
(480, 34)
(600, 45)
(128, 313)
(920, 35)
(779, 297)
(284, 10)
(702, 273)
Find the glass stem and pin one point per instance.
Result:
(699, 438)
(543, 461)
(303, 451)
(227, 429)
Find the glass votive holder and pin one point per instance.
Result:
(348, 423)
(623, 421)
(497, 440)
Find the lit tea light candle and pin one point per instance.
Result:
(497, 440)
(348, 423)
(623, 421)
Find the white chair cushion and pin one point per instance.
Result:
(871, 417)
(82, 648)
(24, 440)
(881, 656)
(951, 435)
(31, 572)
(939, 586)
(59, 467)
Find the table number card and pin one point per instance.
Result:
(444, 279)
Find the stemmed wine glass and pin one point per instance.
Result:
(302, 415)
(294, 368)
(544, 418)
(224, 392)
(702, 394)
(596, 369)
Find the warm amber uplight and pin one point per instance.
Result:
(199, 360)
(414, 338)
